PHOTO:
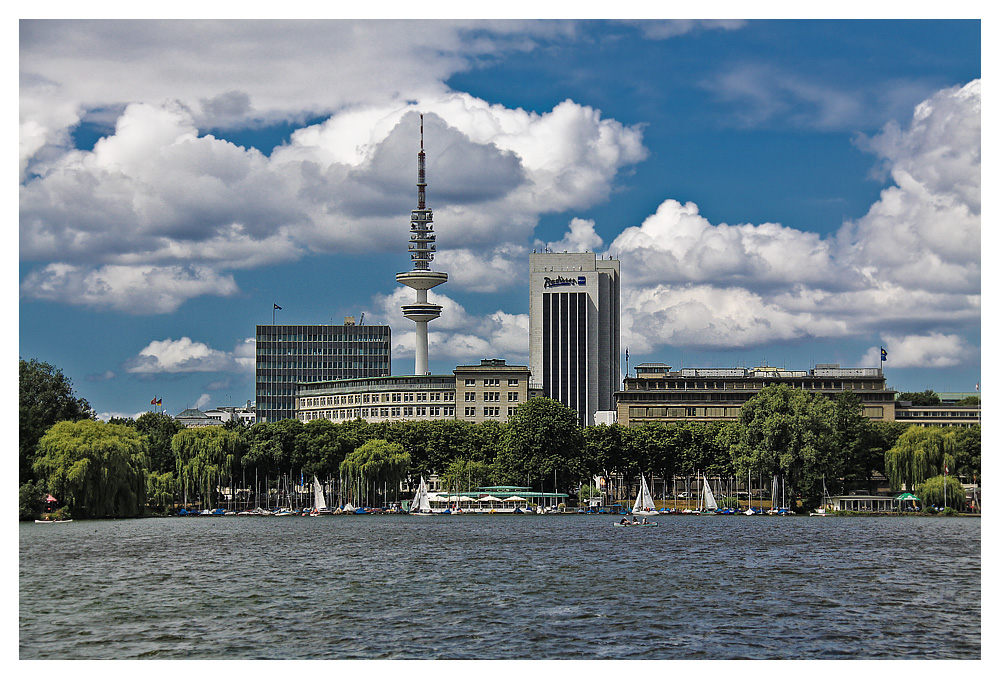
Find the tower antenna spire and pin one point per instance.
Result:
(421, 278)
(421, 179)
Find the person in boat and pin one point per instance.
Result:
(645, 521)
(625, 521)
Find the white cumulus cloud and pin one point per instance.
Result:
(184, 355)
(934, 350)
(912, 260)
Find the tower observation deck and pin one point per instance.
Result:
(421, 247)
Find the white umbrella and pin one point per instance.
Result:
(514, 498)
(490, 498)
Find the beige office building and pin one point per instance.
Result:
(490, 391)
(659, 394)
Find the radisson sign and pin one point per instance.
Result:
(560, 281)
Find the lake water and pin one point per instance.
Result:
(497, 587)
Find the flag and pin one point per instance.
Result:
(159, 401)
(153, 402)
(626, 353)
(977, 386)
(277, 307)
(883, 353)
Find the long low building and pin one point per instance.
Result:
(490, 391)
(657, 393)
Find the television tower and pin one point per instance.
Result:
(421, 278)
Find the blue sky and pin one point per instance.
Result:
(779, 192)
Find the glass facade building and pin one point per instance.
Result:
(289, 354)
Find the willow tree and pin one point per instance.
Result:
(97, 469)
(942, 491)
(376, 464)
(203, 457)
(919, 453)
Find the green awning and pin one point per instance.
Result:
(907, 496)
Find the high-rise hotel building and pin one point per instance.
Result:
(574, 312)
(290, 354)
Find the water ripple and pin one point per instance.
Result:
(500, 587)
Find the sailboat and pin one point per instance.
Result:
(319, 501)
(644, 501)
(708, 503)
(821, 511)
(421, 501)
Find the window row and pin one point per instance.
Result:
(491, 396)
(386, 397)
(513, 382)
(366, 413)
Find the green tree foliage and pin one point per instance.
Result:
(45, 397)
(968, 401)
(789, 432)
(30, 500)
(159, 430)
(968, 453)
(161, 489)
(920, 453)
(465, 475)
(376, 465)
(542, 438)
(97, 469)
(920, 398)
(856, 441)
(324, 446)
(205, 458)
(605, 446)
(932, 492)
(275, 447)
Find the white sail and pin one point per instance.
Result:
(644, 500)
(421, 500)
(708, 497)
(318, 499)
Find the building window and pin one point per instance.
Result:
(435, 410)
(395, 412)
(512, 382)
(491, 412)
(470, 383)
(407, 411)
(511, 395)
(450, 411)
(491, 396)
(470, 396)
(421, 410)
(511, 411)
(491, 383)
(470, 412)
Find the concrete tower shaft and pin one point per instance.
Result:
(421, 248)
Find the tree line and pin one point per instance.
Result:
(130, 467)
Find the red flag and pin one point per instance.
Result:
(153, 402)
